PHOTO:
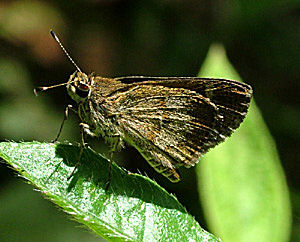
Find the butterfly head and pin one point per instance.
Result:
(79, 86)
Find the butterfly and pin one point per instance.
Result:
(171, 121)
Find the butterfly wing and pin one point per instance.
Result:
(172, 121)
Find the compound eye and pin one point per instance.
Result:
(83, 87)
(82, 90)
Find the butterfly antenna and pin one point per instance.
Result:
(41, 89)
(63, 48)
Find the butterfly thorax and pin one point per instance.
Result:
(90, 92)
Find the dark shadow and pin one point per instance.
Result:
(94, 168)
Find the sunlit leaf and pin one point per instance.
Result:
(241, 182)
(134, 208)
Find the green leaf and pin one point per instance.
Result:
(134, 208)
(241, 182)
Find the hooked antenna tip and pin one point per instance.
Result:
(53, 34)
(38, 89)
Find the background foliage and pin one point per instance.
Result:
(157, 38)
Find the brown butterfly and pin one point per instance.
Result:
(171, 121)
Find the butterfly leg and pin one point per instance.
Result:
(69, 107)
(83, 128)
(114, 145)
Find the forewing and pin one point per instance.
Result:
(232, 98)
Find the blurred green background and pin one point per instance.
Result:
(153, 38)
